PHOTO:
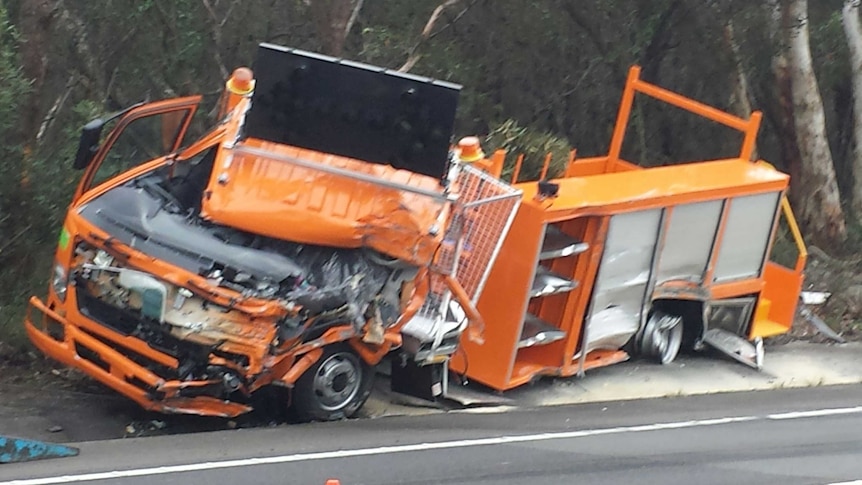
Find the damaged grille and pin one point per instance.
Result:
(117, 320)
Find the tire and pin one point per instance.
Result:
(662, 337)
(334, 388)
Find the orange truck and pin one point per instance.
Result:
(325, 223)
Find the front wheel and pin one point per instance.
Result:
(335, 387)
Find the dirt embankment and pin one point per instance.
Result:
(841, 278)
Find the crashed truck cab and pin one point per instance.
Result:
(322, 223)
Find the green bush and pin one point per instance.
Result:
(12, 234)
(534, 144)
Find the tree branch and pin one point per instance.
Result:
(48, 120)
(353, 16)
(217, 37)
(427, 34)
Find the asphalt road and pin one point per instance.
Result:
(804, 436)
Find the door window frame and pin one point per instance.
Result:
(189, 104)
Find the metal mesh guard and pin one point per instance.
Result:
(481, 219)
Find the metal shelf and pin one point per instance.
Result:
(538, 332)
(557, 244)
(547, 283)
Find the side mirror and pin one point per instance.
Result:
(88, 144)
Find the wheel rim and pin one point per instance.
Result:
(662, 337)
(337, 381)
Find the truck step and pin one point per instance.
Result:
(538, 332)
(557, 245)
(547, 283)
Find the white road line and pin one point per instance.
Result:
(384, 450)
(816, 413)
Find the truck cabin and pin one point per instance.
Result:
(295, 244)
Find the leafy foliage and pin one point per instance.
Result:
(15, 87)
(534, 145)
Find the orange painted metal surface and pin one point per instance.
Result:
(271, 190)
(284, 201)
(776, 307)
(269, 197)
(503, 305)
(779, 300)
(591, 191)
(656, 187)
(118, 371)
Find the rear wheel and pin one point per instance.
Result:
(661, 337)
(335, 387)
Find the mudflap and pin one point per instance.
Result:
(16, 450)
(736, 347)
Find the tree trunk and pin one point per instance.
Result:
(334, 19)
(740, 97)
(36, 17)
(853, 31)
(785, 126)
(820, 209)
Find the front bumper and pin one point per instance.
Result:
(65, 342)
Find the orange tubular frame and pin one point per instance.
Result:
(802, 255)
(635, 85)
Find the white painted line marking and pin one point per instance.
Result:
(854, 482)
(816, 413)
(384, 450)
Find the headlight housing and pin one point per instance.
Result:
(60, 282)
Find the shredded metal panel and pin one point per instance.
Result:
(623, 278)
(546, 282)
(736, 347)
(351, 109)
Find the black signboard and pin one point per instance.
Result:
(351, 109)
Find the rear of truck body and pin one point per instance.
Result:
(613, 260)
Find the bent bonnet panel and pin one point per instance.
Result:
(278, 199)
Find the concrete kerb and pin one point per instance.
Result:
(786, 366)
